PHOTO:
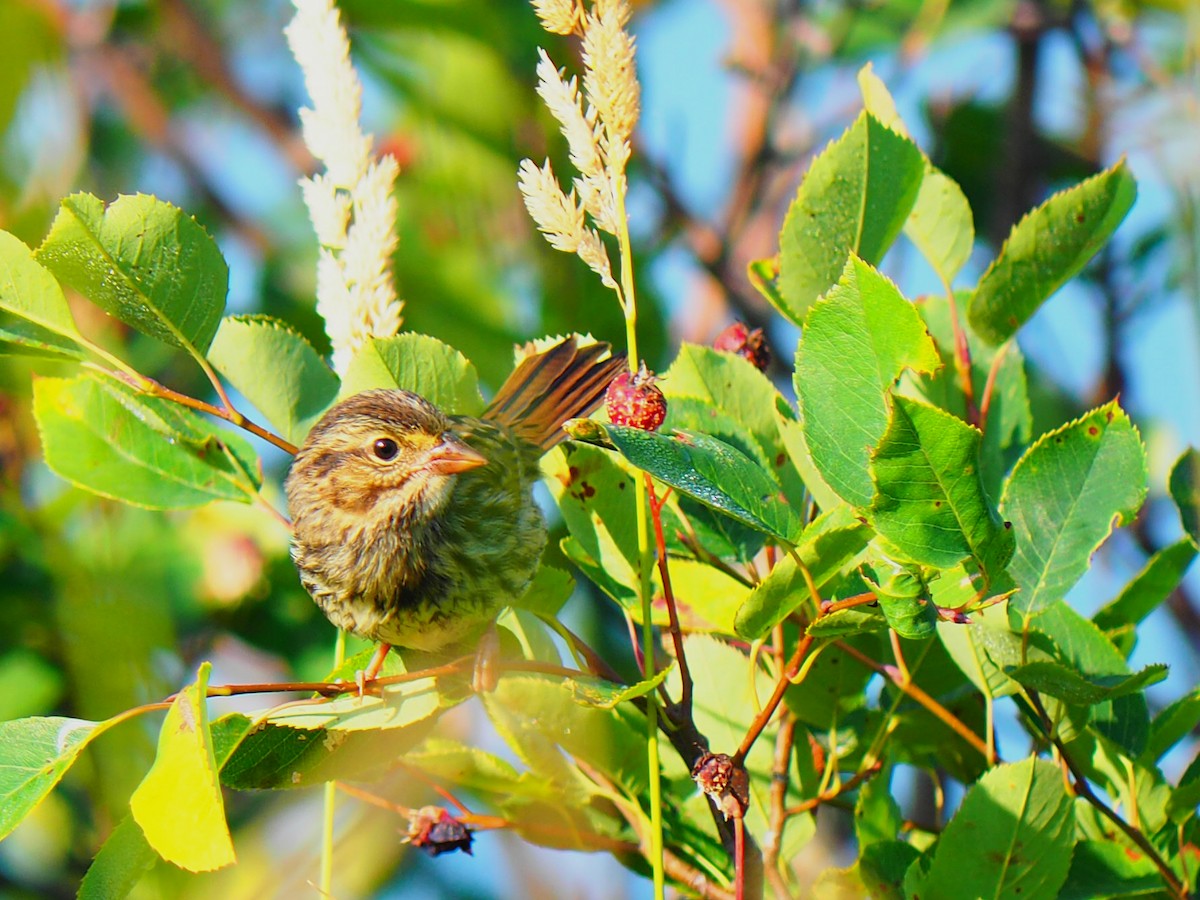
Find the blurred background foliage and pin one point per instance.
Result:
(103, 607)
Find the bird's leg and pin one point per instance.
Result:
(486, 674)
(374, 667)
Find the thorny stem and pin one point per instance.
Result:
(1083, 788)
(893, 674)
(685, 676)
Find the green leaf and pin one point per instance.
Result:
(763, 274)
(275, 369)
(144, 261)
(929, 501)
(1015, 828)
(1057, 680)
(877, 815)
(550, 589)
(1108, 869)
(1172, 725)
(119, 865)
(877, 100)
(728, 385)
(1185, 798)
(856, 343)
(853, 201)
(704, 468)
(34, 756)
(417, 363)
(34, 316)
(1009, 422)
(178, 805)
(1150, 587)
(1064, 497)
(827, 545)
(104, 437)
(1080, 645)
(984, 647)
(882, 867)
(1184, 484)
(903, 596)
(29, 40)
(940, 224)
(1046, 249)
(595, 496)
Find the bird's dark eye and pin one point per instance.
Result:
(386, 448)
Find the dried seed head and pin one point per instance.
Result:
(436, 832)
(726, 784)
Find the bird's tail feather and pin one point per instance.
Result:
(546, 389)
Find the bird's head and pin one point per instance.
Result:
(379, 452)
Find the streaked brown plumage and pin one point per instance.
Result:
(413, 527)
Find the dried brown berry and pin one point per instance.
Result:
(436, 832)
(634, 399)
(726, 783)
(747, 343)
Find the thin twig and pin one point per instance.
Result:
(768, 710)
(832, 793)
(1083, 788)
(916, 693)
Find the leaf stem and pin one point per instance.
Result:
(865, 773)
(781, 685)
(685, 675)
(962, 355)
(985, 404)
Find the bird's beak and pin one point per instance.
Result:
(452, 456)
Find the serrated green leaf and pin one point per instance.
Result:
(1150, 587)
(1046, 249)
(728, 385)
(1185, 798)
(825, 547)
(1184, 484)
(34, 316)
(984, 646)
(856, 343)
(119, 865)
(1056, 680)
(144, 261)
(940, 224)
(101, 435)
(877, 100)
(417, 363)
(707, 469)
(852, 201)
(929, 501)
(277, 370)
(1064, 497)
(1016, 827)
(34, 756)
(178, 805)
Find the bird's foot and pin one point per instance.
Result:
(364, 676)
(486, 674)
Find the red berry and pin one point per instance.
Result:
(633, 399)
(747, 343)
